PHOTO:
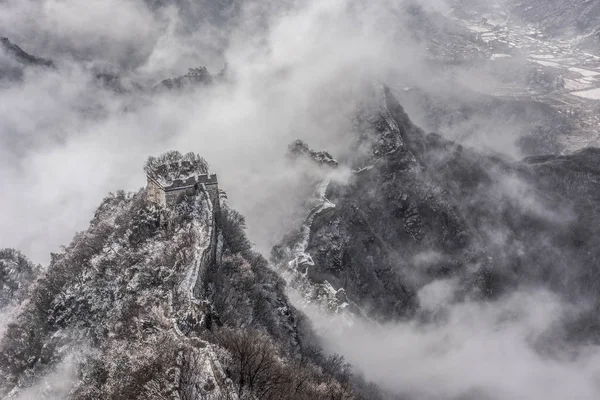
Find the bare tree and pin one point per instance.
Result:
(257, 370)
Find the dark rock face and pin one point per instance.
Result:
(432, 208)
(299, 149)
(22, 56)
(13, 60)
(152, 303)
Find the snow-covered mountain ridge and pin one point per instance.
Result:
(154, 302)
(418, 209)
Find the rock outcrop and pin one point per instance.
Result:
(421, 208)
(14, 61)
(195, 77)
(23, 57)
(140, 307)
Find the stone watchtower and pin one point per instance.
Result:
(173, 175)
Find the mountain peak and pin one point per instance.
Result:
(300, 149)
(23, 57)
(194, 77)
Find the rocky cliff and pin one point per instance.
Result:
(420, 208)
(14, 60)
(157, 303)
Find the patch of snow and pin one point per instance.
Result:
(592, 55)
(576, 84)
(202, 227)
(325, 204)
(592, 94)
(547, 63)
(585, 72)
(367, 168)
(478, 29)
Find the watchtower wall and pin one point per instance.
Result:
(155, 193)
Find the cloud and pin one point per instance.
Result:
(67, 140)
(57, 383)
(7, 314)
(297, 70)
(120, 32)
(504, 349)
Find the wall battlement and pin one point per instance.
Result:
(173, 175)
(167, 195)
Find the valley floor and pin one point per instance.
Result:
(577, 95)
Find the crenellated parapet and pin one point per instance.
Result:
(174, 175)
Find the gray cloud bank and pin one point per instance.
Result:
(503, 349)
(295, 71)
(66, 140)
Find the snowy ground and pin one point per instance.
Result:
(579, 98)
(593, 94)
